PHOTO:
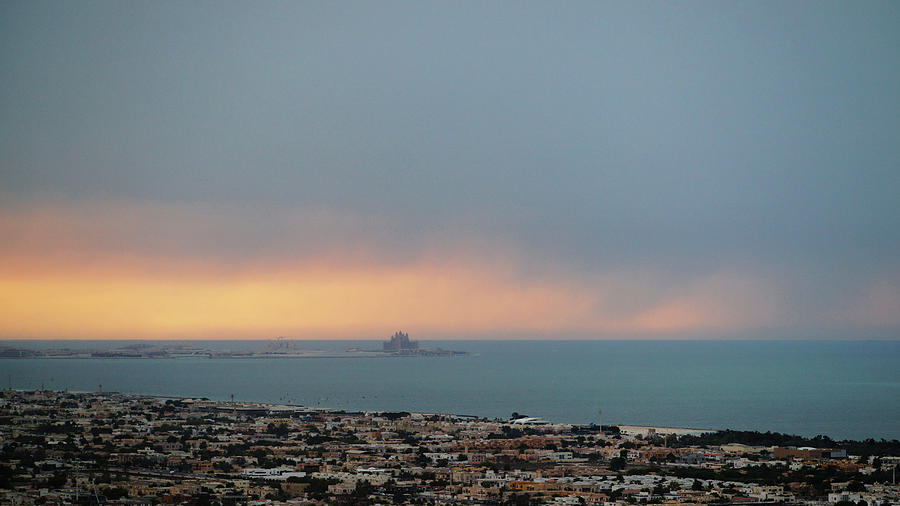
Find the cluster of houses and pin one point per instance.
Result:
(81, 448)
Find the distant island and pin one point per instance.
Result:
(398, 345)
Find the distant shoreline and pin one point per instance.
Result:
(709, 436)
(147, 351)
(235, 357)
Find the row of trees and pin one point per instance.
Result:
(752, 438)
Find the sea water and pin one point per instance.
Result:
(843, 389)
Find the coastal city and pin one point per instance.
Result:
(112, 448)
(503, 253)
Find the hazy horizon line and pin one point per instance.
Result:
(467, 339)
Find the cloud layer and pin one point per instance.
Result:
(122, 270)
(483, 169)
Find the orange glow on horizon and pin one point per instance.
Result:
(317, 301)
(132, 271)
(301, 302)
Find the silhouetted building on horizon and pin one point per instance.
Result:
(400, 343)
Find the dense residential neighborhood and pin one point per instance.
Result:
(89, 448)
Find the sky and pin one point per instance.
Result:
(497, 170)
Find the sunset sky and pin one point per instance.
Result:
(572, 170)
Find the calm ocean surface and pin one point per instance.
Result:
(844, 389)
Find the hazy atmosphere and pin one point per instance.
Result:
(458, 170)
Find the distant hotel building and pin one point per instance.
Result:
(400, 343)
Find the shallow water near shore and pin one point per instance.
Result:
(843, 389)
